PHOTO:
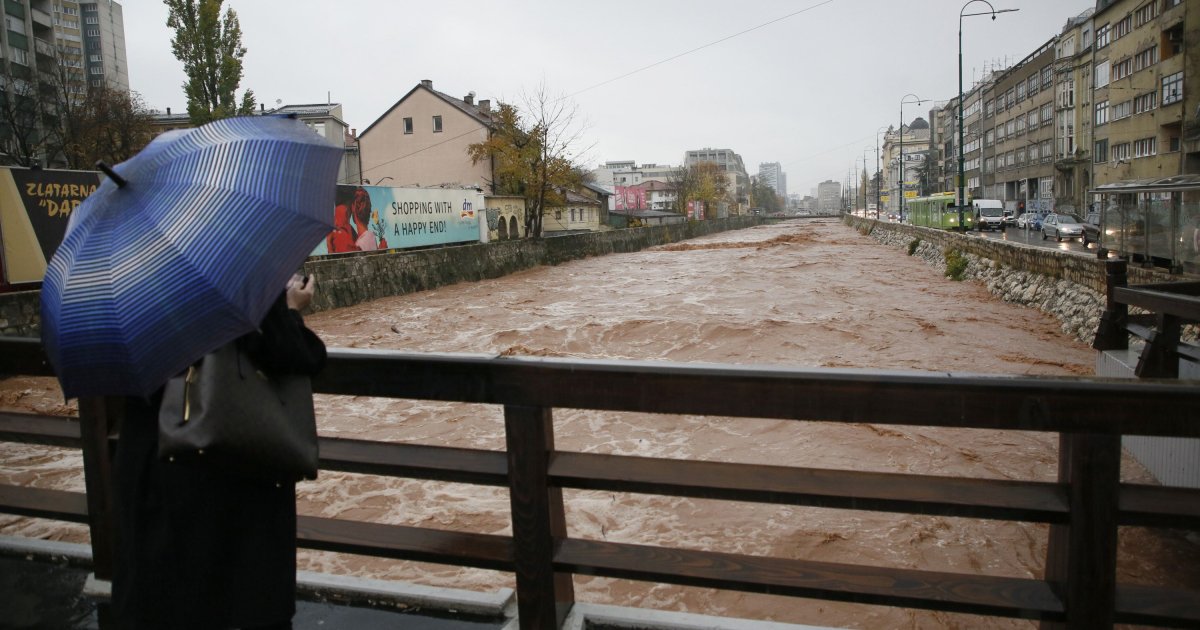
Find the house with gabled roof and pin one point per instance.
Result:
(422, 140)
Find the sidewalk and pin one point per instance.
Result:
(45, 585)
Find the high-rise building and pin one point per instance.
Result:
(734, 167)
(772, 173)
(829, 195)
(104, 43)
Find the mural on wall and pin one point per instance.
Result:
(35, 205)
(504, 217)
(369, 218)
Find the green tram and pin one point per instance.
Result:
(938, 211)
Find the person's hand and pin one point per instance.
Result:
(300, 291)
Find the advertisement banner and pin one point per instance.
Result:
(369, 218)
(34, 208)
(630, 198)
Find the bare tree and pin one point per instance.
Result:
(535, 151)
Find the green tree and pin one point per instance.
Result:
(210, 47)
(532, 154)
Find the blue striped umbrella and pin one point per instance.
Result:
(183, 249)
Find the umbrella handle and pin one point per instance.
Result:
(117, 179)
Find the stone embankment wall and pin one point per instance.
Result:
(1063, 284)
(345, 280)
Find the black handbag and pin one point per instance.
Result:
(226, 413)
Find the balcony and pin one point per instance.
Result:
(41, 18)
(43, 47)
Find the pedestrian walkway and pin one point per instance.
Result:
(46, 589)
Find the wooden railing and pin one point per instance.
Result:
(1166, 306)
(1084, 507)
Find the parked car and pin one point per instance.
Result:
(1031, 220)
(1010, 220)
(1061, 226)
(1091, 228)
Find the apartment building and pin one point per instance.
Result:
(422, 140)
(1022, 102)
(829, 196)
(914, 137)
(735, 172)
(103, 31)
(1072, 115)
(1140, 108)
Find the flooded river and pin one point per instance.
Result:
(804, 294)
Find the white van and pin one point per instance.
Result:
(989, 214)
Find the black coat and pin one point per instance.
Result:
(198, 548)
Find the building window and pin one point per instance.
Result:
(989, 137)
(1120, 151)
(1047, 150)
(1145, 102)
(1122, 28)
(96, 70)
(1035, 153)
(1122, 69)
(1000, 133)
(1173, 143)
(91, 20)
(1146, 13)
(1033, 120)
(1010, 128)
(408, 125)
(1146, 58)
(437, 124)
(1020, 125)
(18, 56)
(1122, 110)
(1034, 83)
(1145, 147)
(93, 32)
(1101, 74)
(1101, 113)
(1020, 91)
(1047, 112)
(988, 107)
(1103, 36)
(14, 24)
(1100, 154)
(1172, 88)
(1010, 97)
(1047, 77)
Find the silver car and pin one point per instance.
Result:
(1061, 226)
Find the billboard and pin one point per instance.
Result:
(630, 197)
(370, 218)
(34, 207)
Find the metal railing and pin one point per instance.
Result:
(1084, 507)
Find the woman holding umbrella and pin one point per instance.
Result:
(160, 267)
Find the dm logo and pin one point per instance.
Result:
(468, 210)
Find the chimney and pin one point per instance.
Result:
(469, 99)
(353, 132)
(168, 111)
(262, 107)
(485, 105)
(427, 83)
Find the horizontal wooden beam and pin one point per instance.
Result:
(1158, 506)
(843, 489)
(977, 594)
(402, 542)
(59, 505)
(40, 429)
(1077, 405)
(1180, 305)
(416, 461)
(1157, 606)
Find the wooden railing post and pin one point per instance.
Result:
(544, 598)
(1160, 357)
(1081, 558)
(1111, 334)
(97, 420)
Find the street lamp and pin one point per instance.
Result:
(901, 160)
(961, 197)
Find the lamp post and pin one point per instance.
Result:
(878, 168)
(901, 158)
(961, 196)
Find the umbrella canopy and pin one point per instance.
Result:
(183, 250)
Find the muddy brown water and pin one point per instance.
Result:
(803, 294)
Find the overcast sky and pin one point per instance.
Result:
(808, 87)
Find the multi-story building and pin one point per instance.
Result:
(772, 174)
(829, 196)
(915, 140)
(1145, 52)
(735, 171)
(422, 140)
(1072, 115)
(1023, 110)
(104, 43)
